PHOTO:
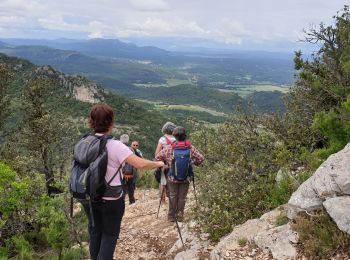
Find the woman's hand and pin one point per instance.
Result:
(161, 164)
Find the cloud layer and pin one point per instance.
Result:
(226, 21)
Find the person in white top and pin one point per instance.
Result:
(166, 140)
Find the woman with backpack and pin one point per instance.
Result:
(108, 212)
(179, 157)
(165, 141)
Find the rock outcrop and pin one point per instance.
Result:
(339, 210)
(279, 241)
(329, 187)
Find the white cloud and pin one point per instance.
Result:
(227, 21)
(56, 22)
(150, 5)
(11, 21)
(95, 34)
(24, 7)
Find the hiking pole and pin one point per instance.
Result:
(195, 193)
(177, 223)
(160, 200)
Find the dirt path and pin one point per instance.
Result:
(143, 236)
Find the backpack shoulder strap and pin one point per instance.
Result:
(103, 142)
(188, 144)
(167, 140)
(174, 145)
(115, 174)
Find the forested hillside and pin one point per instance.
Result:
(161, 76)
(71, 97)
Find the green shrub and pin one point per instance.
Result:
(281, 191)
(319, 236)
(147, 181)
(55, 225)
(17, 246)
(242, 242)
(303, 176)
(13, 192)
(282, 219)
(229, 195)
(22, 247)
(74, 253)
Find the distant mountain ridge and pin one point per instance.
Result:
(199, 75)
(98, 47)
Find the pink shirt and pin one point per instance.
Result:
(117, 154)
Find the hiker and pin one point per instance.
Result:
(129, 172)
(135, 147)
(179, 158)
(124, 138)
(108, 212)
(165, 141)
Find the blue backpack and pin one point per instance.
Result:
(181, 167)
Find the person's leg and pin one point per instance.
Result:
(95, 232)
(112, 215)
(162, 186)
(182, 195)
(173, 197)
(130, 190)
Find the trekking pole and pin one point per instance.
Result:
(160, 200)
(195, 193)
(177, 223)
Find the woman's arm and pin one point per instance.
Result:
(159, 147)
(141, 163)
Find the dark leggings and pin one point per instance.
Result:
(130, 187)
(108, 215)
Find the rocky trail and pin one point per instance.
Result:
(144, 236)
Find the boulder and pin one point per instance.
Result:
(279, 241)
(246, 231)
(339, 210)
(331, 179)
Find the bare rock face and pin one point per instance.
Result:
(246, 231)
(279, 241)
(339, 210)
(86, 94)
(331, 179)
(264, 233)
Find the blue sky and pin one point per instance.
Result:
(229, 23)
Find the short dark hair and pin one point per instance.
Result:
(180, 133)
(101, 118)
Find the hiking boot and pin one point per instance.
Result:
(171, 219)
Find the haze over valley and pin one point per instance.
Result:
(205, 83)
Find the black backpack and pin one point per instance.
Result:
(87, 179)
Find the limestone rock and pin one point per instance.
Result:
(339, 210)
(279, 241)
(331, 179)
(245, 231)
